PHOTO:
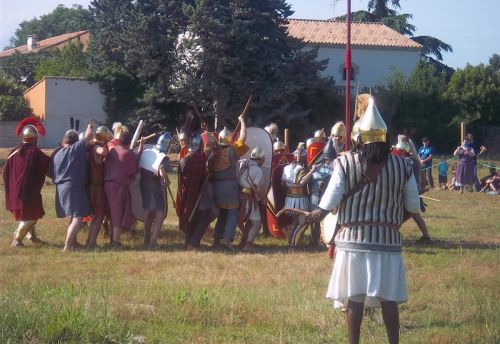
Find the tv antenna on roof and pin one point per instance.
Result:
(332, 5)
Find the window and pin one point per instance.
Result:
(353, 73)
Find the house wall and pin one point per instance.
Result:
(65, 98)
(371, 66)
(36, 99)
(8, 136)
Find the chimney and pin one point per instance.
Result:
(32, 42)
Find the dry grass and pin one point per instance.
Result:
(173, 296)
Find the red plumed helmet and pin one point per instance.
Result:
(30, 127)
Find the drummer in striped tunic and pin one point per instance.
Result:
(372, 190)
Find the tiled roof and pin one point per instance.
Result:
(57, 41)
(331, 33)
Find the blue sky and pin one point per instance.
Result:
(468, 26)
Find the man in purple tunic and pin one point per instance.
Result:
(120, 169)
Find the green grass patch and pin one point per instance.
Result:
(272, 296)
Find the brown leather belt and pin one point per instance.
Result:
(246, 190)
(296, 191)
(220, 179)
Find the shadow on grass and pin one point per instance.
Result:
(448, 245)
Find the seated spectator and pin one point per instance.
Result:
(493, 185)
(483, 180)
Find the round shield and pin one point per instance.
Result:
(328, 228)
(258, 136)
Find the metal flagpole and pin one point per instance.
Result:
(348, 78)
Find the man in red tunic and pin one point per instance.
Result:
(194, 195)
(23, 177)
(120, 169)
(97, 151)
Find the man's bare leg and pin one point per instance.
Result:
(147, 228)
(419, 220)
(253, 232)
(117, 232)
(21, 231)
(390, 314)
(354, 318)
(94, 229)
(155, 229)
(31, 235)
(75, 225)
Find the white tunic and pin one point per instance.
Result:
(292, 174)
(368, 266)
(250, 177)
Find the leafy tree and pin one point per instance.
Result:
(243, 48)
(59, 21)
(495, 62)
(213, 52)
(418, 102)
(136, 40)
(21, 67)
(475, 90)
(70, 60)
(13, 106)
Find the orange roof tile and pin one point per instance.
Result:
(363, 35)
(57, 41)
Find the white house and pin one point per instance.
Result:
(59, 101)
(376, 49)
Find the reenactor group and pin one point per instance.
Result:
(247, 178)
(100, 177)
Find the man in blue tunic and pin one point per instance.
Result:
(69, 174)
(425, 154)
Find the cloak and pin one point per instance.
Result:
(23, 176)
(192, 173)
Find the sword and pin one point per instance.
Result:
(136, 134)
(199, 198)
(430, 198)
(167, 182)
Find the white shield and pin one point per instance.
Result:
(328, 228)
(258, 136)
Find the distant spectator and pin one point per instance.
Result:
(453, 184)
(493, 184)
(465, 166)
(443, 173)
(478, 150)
(493, 172)
(425, 154)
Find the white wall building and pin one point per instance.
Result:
(375, 48)
(55, 100)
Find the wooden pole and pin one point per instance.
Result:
(245, 110)
(348, 77)
(462, 132)
(286, 137)
(147, 137)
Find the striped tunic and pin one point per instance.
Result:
(370, 219)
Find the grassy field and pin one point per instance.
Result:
(272, 296)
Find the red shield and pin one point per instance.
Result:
(275, 202)
(314, 152)
(209, 138)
